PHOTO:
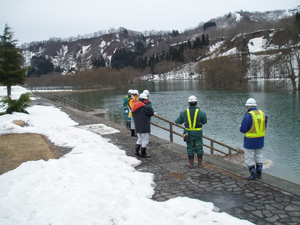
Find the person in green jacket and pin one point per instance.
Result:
(126, 108)
(148, 102)
(193, 118)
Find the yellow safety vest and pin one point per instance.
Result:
(130, 104)
(258, 128)
(127, 100)
(192, 127)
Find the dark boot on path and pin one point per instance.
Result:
(191, 161)
(252, 171)
(137, 150)
(200, 161)
(133, 134)
(259, 170)
(144, 154)
(128, 125)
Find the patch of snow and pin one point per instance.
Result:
(256, 44)
(232, 51)
(215, 46)
(85, 49)
(100, 129)
(102, 44)
(238, 17)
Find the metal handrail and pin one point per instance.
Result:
(212, 141)
(65, 101)
(73, 104)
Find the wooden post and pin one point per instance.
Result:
(171, 132)
(211, 147)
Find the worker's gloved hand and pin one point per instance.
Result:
(186, 137)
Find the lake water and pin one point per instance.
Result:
(225, 110)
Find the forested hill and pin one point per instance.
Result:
(156, 52)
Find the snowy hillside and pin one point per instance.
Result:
(66, 57)
(261, 49)
(71, 56)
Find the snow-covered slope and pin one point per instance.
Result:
(69, 56)
(261, 51)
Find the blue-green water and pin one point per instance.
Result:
(225, 110)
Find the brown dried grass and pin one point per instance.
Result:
(18, 148)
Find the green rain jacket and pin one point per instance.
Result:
(200, 120)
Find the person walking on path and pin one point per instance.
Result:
(193, 119)
(126, 109)
(142, 114)
(254, 126)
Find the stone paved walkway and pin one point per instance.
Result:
(267, 201)
(230, 192)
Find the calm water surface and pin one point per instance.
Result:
(225, 110)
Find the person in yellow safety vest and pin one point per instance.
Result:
(254, 126)
(193, 119)
(126, 108)
(134, 98)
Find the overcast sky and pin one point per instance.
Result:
(36, 20)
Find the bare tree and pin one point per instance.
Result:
(163, 67)
(87, 79)
(287, 38)
(221, 72)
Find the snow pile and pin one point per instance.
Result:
(96, 183)
(256, 44)
(238, 17)
(216, 46)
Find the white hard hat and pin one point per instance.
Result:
(135, 92)
(251, 102)
(130, 91)
(192, 98)
(146, 92)
(143, 96)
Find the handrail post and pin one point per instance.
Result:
(211, 147)
(171, 132)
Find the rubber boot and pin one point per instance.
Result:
(137, 150)
(144, 154)
(252, 171)
(259, 170)
(128, 125)
(200, 162)
(133, 134)
(191, 161)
